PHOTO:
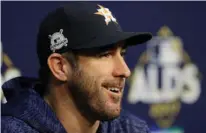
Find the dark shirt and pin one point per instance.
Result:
(27, 112)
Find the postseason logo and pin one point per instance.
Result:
(164, 78)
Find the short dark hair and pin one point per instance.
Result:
(45, 73)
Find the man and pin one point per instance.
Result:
(81, 51)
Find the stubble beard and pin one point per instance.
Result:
(88, 97)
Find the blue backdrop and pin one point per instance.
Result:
(167, 87)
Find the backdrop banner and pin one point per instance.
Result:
(167, 85)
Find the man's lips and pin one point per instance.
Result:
(114, 89)
(114, 86)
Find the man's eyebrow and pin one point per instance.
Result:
(124, 50)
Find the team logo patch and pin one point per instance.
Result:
(106, 13)
(57, 40)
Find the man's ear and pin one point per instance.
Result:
(59, 66)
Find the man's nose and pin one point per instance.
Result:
(120, 68)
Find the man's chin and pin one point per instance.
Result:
(109, 115)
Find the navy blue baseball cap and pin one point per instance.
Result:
(82, 25)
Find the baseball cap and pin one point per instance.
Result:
(81, 25)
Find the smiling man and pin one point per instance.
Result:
(81, 51)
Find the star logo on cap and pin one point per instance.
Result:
(106, 13)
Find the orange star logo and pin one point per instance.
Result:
(106, 13)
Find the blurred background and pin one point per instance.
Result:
(167, 86)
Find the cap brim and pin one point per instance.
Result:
(129, 38)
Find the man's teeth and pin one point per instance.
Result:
(114, 89)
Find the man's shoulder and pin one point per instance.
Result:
(11, 124)
(130, 119)
(128, 122)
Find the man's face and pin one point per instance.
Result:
(98, 82)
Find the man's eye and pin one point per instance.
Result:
(123, 53)
(107, 54)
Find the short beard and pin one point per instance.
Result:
(78, 88)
